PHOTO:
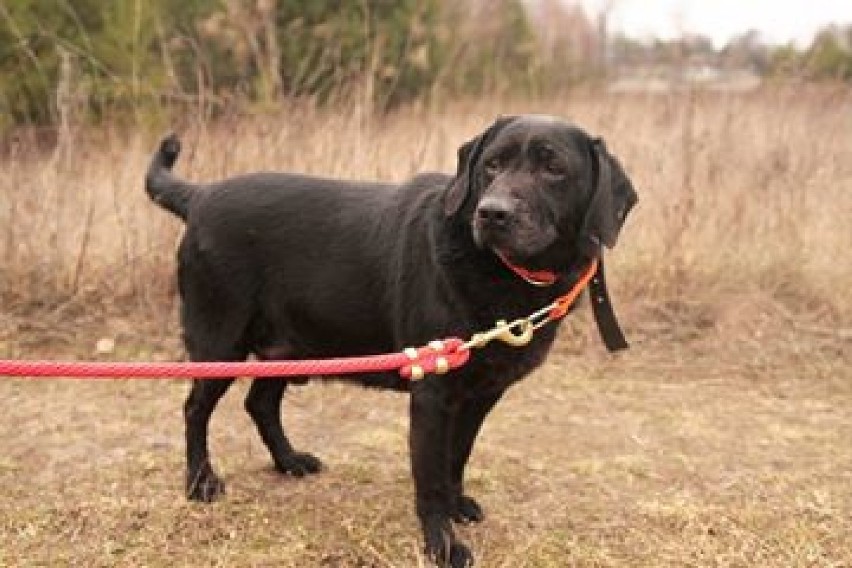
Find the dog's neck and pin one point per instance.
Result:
(608, 326)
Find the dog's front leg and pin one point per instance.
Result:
(467, 420)
(430, 445)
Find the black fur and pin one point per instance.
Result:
(289, 266)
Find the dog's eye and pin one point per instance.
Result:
(493, 166)
(546, 158)
(554, 168)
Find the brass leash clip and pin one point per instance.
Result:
(517, 334)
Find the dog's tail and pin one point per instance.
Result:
(163, 187)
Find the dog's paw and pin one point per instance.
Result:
(442, 548)
(467, 510)
(204, 485)
(298, 464)
(450, 555)
(460, 556)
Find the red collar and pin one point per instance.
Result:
(540, 278)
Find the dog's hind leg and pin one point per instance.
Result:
(202, 483)
(263, 403)
(216, 293)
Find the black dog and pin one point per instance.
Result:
(292, 267)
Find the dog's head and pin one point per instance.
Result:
(539, 191)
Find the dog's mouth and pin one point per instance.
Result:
(508, 257)
(501, 242)
(520, 246)
(486, 236)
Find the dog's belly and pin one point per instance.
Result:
(299, 331)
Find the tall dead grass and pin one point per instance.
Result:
(736, 190)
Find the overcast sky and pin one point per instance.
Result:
(779, 21)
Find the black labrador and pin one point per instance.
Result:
(287, 266)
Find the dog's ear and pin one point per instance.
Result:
(462, 186)
(613, 199)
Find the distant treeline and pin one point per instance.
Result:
(96, 58)
(82, 60)
(828, 57)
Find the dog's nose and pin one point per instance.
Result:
(495, 213)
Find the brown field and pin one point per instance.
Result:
(722, 438)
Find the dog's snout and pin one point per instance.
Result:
(495, 212)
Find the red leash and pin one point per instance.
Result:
(413, 363)
(437, 357)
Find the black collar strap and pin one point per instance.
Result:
(602, 309)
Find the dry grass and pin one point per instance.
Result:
(721, 439)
